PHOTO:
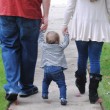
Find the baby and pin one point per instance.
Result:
(54, 63)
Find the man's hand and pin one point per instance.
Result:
(44, 23)
(46, 6)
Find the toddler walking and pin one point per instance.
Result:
(54, 63)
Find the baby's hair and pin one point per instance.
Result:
(52, 38)
(93, 0)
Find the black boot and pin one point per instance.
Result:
(80, 81)
(93, 86)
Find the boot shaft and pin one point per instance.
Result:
(94, 81)
(93, 87)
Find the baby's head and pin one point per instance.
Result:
(52, 38)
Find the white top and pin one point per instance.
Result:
(53, 54)
(90, 20)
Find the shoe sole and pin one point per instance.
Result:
(23, 96)
(63, 103)
(45, 97)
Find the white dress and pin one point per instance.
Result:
(90, 20)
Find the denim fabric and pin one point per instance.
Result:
(52, 69)
(52, 73)
(91, 50)
(19, 51)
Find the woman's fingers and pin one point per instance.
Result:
(65, 30)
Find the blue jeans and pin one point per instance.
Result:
(91, 50)
(56, 74)
(19, 43)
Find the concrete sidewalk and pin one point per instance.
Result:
(36, 102)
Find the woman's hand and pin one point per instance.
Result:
(65, 30)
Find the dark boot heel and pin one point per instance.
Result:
(80, 81)
(93, 86)
(94, 98)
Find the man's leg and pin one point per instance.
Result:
(11, 54)
(29, 32)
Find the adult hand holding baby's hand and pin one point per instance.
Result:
(65, 30)
(44, 23)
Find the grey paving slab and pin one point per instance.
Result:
(36, 102)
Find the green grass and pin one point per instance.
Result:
(3, 102)
(104, 89)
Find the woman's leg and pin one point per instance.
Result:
(95, 49)
(80, 74)
(82, 48)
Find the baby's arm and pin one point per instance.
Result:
(41, 41)
(65, 43)
(108, 6)
(69, 11)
